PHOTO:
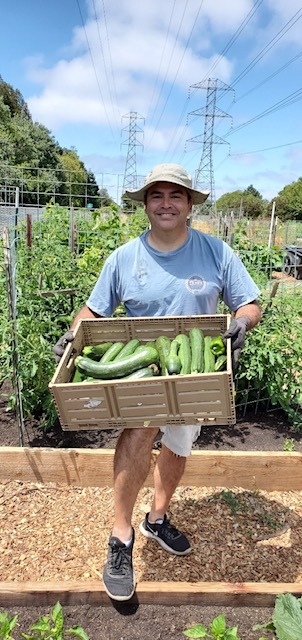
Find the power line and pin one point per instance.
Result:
(102, 52)
(272, 75)
(268, 47)
(162, 55)
(168, 67)
(290, 99)
(177, 71)
(279, 146)
(94, 68)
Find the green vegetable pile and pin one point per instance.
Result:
(186, 354)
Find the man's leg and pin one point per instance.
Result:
(168, 472)
(131, 465)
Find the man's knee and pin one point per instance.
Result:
(138, 438)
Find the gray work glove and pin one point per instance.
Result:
(237, 331)
(61, 345)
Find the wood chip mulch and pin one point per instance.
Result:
(50, 532)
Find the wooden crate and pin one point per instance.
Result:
(206, 398)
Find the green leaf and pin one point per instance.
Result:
(218, 626)
(198, 631)
(78, 632)
(287, 617)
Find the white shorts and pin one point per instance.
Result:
(180, 437)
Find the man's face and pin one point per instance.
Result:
(167, 206)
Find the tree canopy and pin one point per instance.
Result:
(31, 158)
(248, 202)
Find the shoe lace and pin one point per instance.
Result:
(119, 560)
(169, 530)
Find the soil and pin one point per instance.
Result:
(263, 431)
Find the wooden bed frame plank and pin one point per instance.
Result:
(269, 471)
(46, 594)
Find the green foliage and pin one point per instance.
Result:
(217, 630)
(33, 160)
(270, 363)
(7, 625)
(51, 627)
(286, 620)
(259, 259)
(249, 202)
(289, 201)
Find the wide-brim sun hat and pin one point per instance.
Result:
(168, 173)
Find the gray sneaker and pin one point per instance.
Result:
(118, 573)
(166, 535)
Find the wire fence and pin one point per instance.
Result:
(18, 226)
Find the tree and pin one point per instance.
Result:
(246, 202)
(14, 100)
(289, 201)
(250, 190)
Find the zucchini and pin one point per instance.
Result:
(119, 369)
(96, 351)
(196, 338)
(173, 363)
(128, 348)
(163, 344)
(209, 358)
(184, 353)
(112, 352)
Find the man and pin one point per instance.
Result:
(171, 269)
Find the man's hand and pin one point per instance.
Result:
(237, 331)
(61, 345)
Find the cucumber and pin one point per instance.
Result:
(128, 348)
(119, 369)
(163, 344)
(112, 352)
(96, 351)
(173, 363)
(184, 353)
(146, 372)
(196, 338)
(209, 358)
(77, 376)
(221, 363)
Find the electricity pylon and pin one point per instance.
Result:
(204, 177)
(130, 175)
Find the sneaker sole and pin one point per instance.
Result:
(120, 598)
(164, 546)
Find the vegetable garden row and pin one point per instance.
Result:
(53, 265)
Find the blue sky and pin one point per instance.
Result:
(84, 65)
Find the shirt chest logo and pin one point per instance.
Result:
(195, 284)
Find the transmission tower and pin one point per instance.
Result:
(130, 175)
(204, 178)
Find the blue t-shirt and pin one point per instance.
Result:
(186, 281)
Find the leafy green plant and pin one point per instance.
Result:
(270, 363)
(289, 444)
(7, 625)
(51, 627)
(286, 622)
(217, 630)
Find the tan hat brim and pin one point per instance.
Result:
(198, 197)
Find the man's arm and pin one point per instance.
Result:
(62, 343)
(84, 314)
(250, 311)
(246, 317)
